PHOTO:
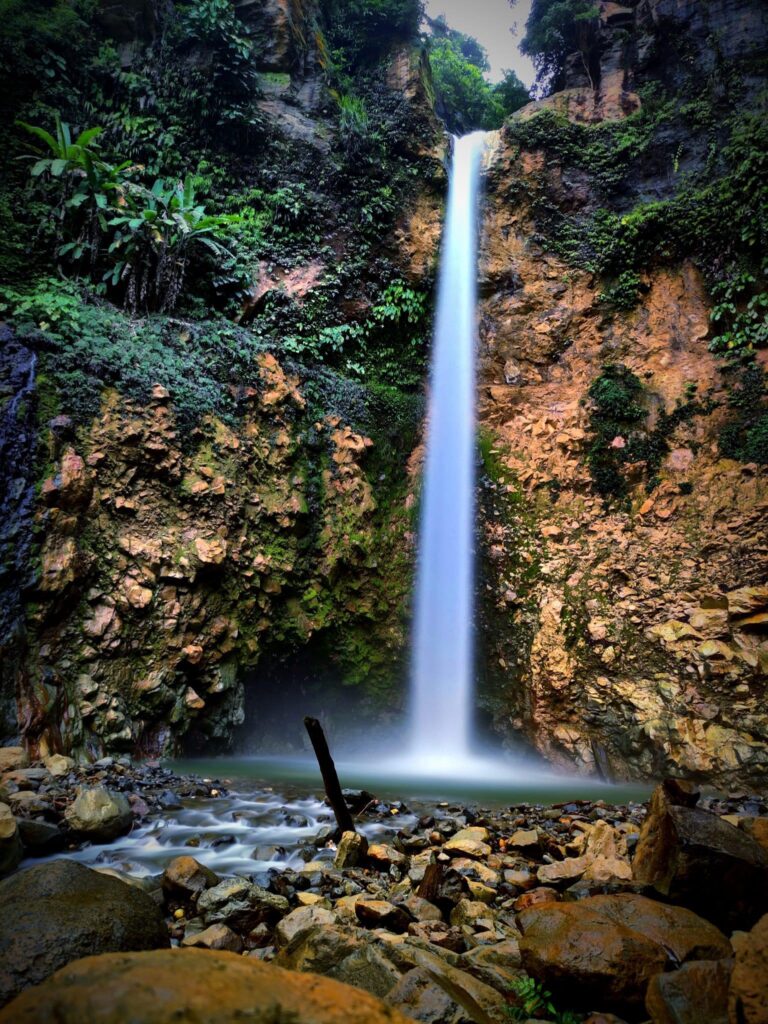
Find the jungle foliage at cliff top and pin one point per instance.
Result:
(144, 177)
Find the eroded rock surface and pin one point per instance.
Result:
(207, 986)
(57, 912)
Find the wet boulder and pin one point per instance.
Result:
(302, 920)
(603, 950)
(696, 993)
(697, 860)
(748, 994)
(98, 814)
(241, 905)
(346, 954)
(191, 984)
(60, 911)
(352, 850)
(10, 842)
(185, 878)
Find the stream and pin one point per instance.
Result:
(271, 816)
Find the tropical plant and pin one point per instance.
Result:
(465, 97)
(361, 30)
(534, 1000)
(88, 185)
(154, 235)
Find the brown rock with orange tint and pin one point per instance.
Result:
(748, 995)
(604, 949)
(192, 984)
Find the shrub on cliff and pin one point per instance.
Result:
(556, 29)
(465, 98)
(360, 31)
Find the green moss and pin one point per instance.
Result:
(619, 435)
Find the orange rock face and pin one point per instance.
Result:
(192, 984)
(598, 638)
(166, 565)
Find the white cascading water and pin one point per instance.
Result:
(442, 671)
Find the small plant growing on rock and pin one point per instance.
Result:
(535, 1001)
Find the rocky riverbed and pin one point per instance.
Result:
(442, 912)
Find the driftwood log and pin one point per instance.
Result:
(330, 778)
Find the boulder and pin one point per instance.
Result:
(191, 985)
(417, 996)
(352, 850)
(346, 954)
(12, 758)
(382, 914)
(218, 936)
(497, 965)
(40, 838)
(10, 841)
(482, 1004)
(60, 911)
(383, 857)
(605, 858)
(301, 920)
(605, 949)
(185, 878)
(241, 905)
(700, 861)
(58, 765)
(748, 994)
(98, 814)
(696, 993)
(469, 842)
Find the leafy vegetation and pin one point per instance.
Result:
(556, 29)
(138, 239)
(746, 437)
(360, 31)
(465, 97)
(533, 1000)
(619, 434)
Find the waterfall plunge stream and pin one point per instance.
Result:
(442, 671)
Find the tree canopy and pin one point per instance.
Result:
(465, 97)
(554, 30)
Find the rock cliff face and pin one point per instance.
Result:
(168, 560)
(164, 571)
(623, 636)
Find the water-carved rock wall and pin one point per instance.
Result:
(621, 636)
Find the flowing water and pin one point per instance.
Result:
(273, 816)
(441, 696)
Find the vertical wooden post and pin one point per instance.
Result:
(330, 778)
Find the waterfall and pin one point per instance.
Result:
(442, 671)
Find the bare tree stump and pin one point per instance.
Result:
(330, 778)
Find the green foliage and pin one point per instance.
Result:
(534, 1000)
(618, 435)
(89, 344)
(37, 41)
(387, 347)
(717, 216)
(360, 31)
(154, 233)
(741, 314)
(624, 293)
(354, 123)
(554, 30)
(464, 96)
(232, 75)
(139, 239)
(746, 436)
